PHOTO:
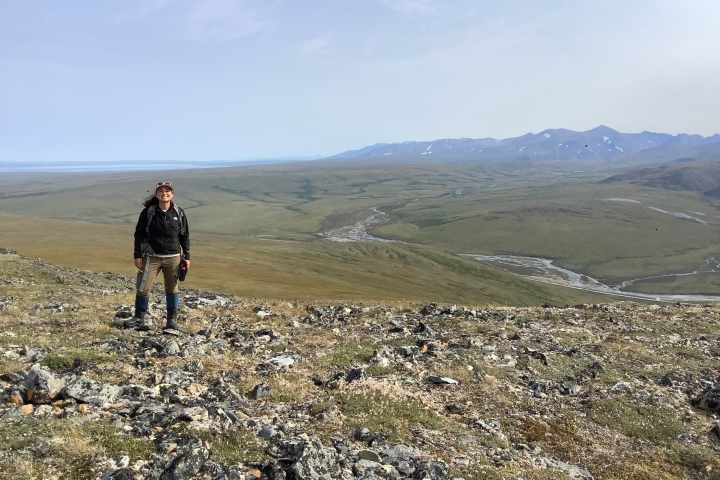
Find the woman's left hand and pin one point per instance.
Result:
(187, 262)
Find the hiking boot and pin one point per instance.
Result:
(173, 302)
(132, 323)
(138, 321)
(171, 323)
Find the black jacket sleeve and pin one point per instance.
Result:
(140, 232)
(185, 238)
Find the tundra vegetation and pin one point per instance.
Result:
(276, 389)
(261, 230)
(314, 348)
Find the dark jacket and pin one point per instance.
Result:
(165, 237)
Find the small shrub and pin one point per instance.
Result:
(348, 354)
(701, 462)
(475, 473)
(654, 423)
(234, 446)
(557, 430)
(377, 370)
(71, 447)
(385, 414)
(65, 360)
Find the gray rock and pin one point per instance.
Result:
(190, 457)
(363, 434)
(454, 409)
(572, 471)
(261, 390)
(206, 299)
(406, 351)
(268, 432)
(11, 412)
(194, 366)
(281, 361)
(187, 464)
(709, 400)
(171, 348)
(442, 380)
(355, 374)
(538, 388)
(14, 377)
(369, 455)
(117, 474)
(156, 414)
(175, 377)
(368, 469)
(401, 457)
(89, 391)
(714, 433)
(434, 470)
(315, 461)
(541, 357)
(429, 309)
(43, 386)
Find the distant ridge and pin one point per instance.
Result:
(553, 144)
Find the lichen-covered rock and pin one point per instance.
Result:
(313, 461)
(572, 471)
(709, 400)
(43, 386)
(117, 474)
(432, 469)
(401, 457)
(187, 464)
(89, 391)
(261, 390)
(190, 454)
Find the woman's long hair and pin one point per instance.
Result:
(151, 200)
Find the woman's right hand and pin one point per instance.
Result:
(138, 263)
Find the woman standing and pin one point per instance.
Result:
(162, 242)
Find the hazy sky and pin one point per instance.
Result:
(238, 79)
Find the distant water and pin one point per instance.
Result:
(542, 269)
(134, 166)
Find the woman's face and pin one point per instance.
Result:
(164, 194)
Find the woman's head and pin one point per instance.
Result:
(163, 192)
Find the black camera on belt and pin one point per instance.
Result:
(183, 270)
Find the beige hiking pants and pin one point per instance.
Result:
(150, 269)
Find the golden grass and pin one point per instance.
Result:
(256, 268)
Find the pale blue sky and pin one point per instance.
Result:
(93, 80)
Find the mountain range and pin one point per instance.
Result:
(553, 144)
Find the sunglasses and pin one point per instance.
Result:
(163, 184)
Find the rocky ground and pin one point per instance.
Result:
(283, 390)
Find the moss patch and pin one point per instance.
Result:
(654, 423)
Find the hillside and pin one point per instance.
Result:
(695, 176)
(277, 390)
(282, 231)
(553, 144)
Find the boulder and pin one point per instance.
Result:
(313, 461)
(117, 474)
(709, 400)
(187, 464)
(432, 469)
(85, 390)
(572, 471)
(43, 386)
(261, 390)
(401, 457)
